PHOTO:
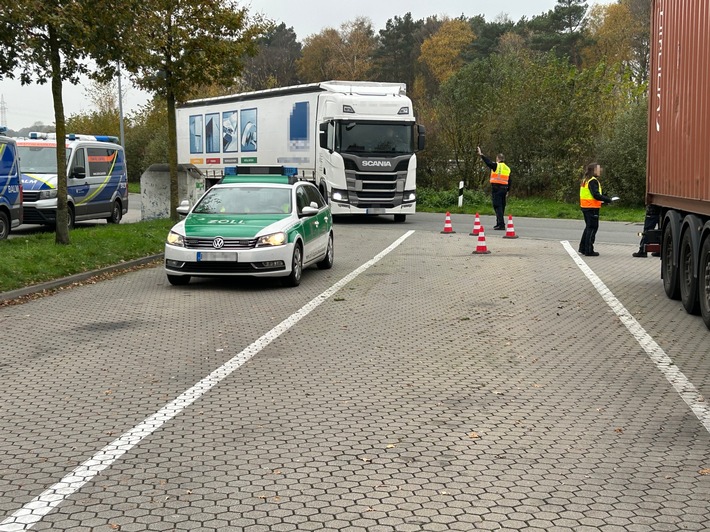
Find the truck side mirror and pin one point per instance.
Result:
(78, 172)
(323, 135)
(421, 137)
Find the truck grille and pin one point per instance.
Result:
(379, 187)
(30, 196)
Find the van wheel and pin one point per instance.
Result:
(178, 280)
(4, 225)
(116, 213)
(687, 282)
(294, 279)
(70, 217)
(704, 282)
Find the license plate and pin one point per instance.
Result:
(375, 211)
(225, 256)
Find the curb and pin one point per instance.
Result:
(77, 278)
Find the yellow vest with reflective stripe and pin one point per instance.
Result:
(586, 200)
(500, 175)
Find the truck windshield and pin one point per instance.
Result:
(374, 138)
(39, 159)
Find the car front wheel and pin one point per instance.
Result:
(294, 278)
(327, 262)
(178, 280)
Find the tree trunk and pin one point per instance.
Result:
(62, 227)
(172, 150)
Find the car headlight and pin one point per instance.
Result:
(176, 239)
(274, 239)
(50, 193)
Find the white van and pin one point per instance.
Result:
(97, 182)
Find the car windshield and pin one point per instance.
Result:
(39, 159)
(245, 200)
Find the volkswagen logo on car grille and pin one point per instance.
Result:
(218, 243)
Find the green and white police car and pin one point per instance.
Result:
(252, 223)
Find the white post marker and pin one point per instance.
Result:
(460, 193)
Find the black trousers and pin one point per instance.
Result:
(653, 216)
(498, 196)
(591, 225)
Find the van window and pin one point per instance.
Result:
(8, 161)
(101, 161)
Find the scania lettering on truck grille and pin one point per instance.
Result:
(387, 164)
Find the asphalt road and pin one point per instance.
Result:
(415, 386)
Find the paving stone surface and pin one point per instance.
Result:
(438, 390)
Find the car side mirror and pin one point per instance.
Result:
(183, 208)
(309, 210)
(78, 172)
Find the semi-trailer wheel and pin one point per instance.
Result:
(704, 282)
(687, 281)
(670, 272)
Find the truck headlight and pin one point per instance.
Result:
(274, 239)
(339, 195)
(176, 239)
(49, 193)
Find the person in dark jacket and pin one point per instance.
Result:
(653, 215)
(590, 200)
(500, 185)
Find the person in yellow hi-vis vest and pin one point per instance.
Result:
(500, 185)
(590, 200)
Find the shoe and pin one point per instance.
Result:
(498, 228)
(656, 254)
(592, 254)
(640, 254)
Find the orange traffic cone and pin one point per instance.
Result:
(481, 248)
(510, 229)
(448, 228)
(476, 226)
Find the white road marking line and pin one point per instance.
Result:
(663, 362)
(32, 512)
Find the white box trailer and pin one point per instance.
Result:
(355, 139)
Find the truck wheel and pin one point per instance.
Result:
(178, 280)
(116, 213)
(294, 278)
(670, 272)
(4, 225)
(688, 284)
(704, 282)
(400, 218)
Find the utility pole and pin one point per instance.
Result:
(120, 104)
(3, 111)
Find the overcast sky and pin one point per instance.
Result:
(25, 105)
